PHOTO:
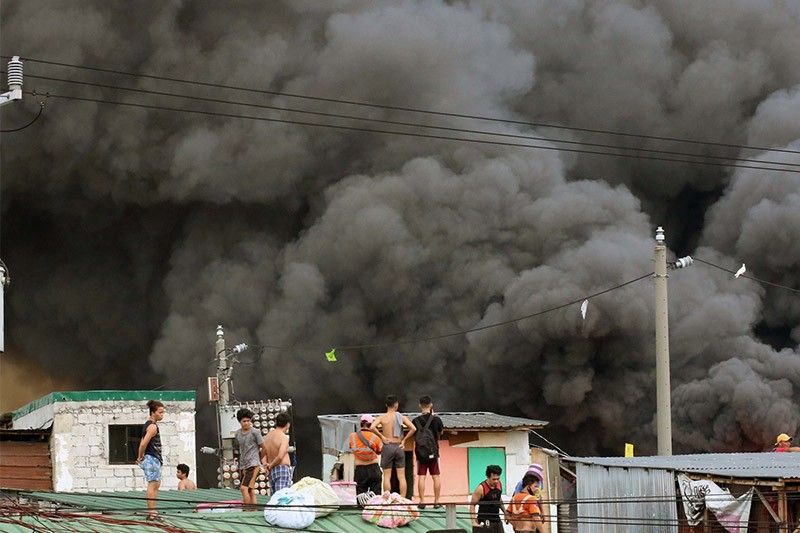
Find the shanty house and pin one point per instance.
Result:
(87, 441)
(650, 494)
(470, 442)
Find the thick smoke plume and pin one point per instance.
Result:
(131, 233)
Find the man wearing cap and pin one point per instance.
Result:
(784, 444)
(366, 446)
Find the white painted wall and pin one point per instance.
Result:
(517, 452)
(79, 444)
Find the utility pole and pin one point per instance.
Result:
(14, 77)
(224, 371)
(663, 390)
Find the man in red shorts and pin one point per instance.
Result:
(426, 448)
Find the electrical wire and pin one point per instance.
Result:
(406, 109)
(413, 134)
(556, 448)
(38, 114)
(464, 513)
(402, 123)
(584, 518)
(471, 330)
(759, 280)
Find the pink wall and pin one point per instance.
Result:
(455, 475)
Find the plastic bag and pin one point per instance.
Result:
(324, 498)
(346, 491)
(290, 517)
(390, 511)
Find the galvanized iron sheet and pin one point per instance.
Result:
(615, 500)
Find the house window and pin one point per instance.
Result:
(123, 444)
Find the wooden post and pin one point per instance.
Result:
(706, 523)
(783, 510)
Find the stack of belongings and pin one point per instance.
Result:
(390, 510)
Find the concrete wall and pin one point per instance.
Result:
(79, 445)
(517, 451)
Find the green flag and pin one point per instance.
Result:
(331, 355)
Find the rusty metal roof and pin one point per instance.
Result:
(464, 421)
(766, 465)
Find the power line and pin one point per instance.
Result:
(403, 123)
(38, 114)
(407, 134)
(765, 282)
(408, 109)
(472, 330)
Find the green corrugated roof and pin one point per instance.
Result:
(176, 508)
(104, 396)
(174, 500)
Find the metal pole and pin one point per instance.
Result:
(663, 390)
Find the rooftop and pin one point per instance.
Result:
(177, 510)
(767, 465)
(104, 396)
(469, 421)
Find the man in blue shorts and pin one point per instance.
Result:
(279, 465)
(149, 457)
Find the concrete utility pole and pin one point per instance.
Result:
(663, 391)
(224, 371)
(14, 77)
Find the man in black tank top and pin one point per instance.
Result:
(149, 458)
(488, 498)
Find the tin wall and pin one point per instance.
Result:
(616, 500)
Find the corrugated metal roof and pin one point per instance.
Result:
(639, 498)
(25, 465)
(474, 421)
(175, 500)
(105, 395)
(339, 522)
(767, 465)
(176, 510)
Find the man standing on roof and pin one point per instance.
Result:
(391, 433)
(252, 450)
(426, 440)
(488, 498)
(366, 445)
(149, 457)
(784, 444)
(279, 466)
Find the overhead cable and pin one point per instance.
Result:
(408, 134)
(759, 280)
(408, 109)
(471, 330)
(403, 123)
(38, 114)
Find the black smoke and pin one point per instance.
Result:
(132, 233)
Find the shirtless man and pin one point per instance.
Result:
(278, 462)
(391, 425)
(182, 473)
